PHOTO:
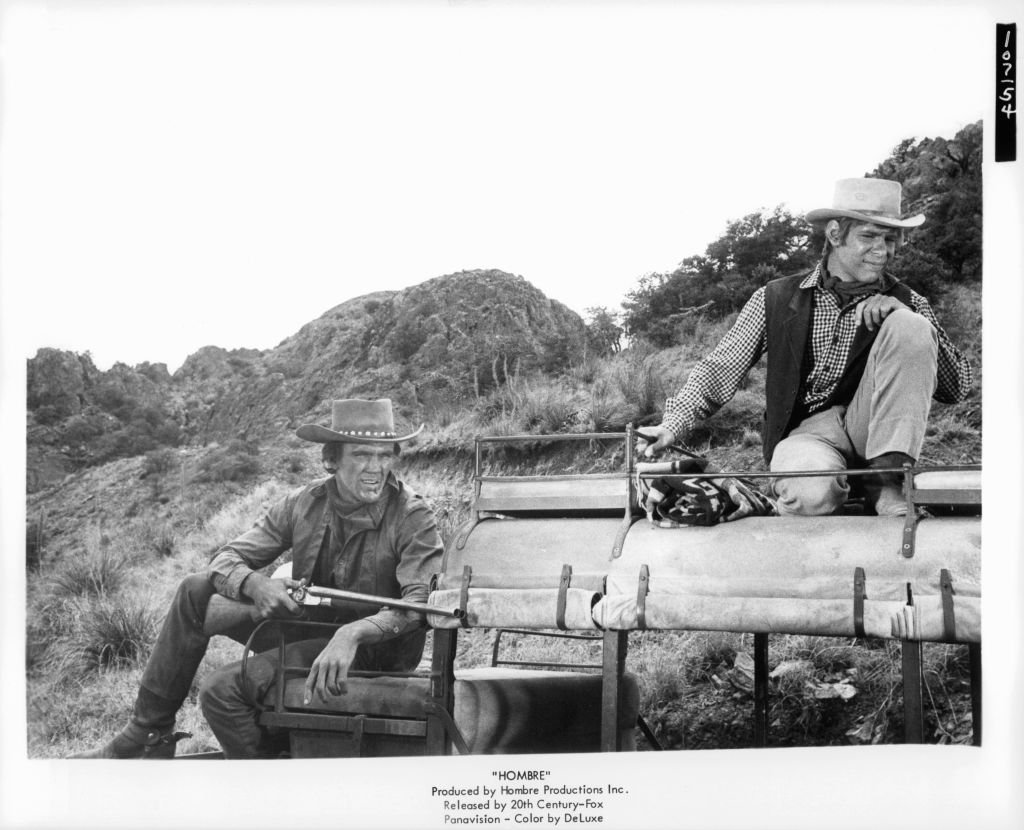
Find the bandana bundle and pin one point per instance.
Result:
(697, 502)
(686, 502)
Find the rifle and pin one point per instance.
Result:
(315, 595)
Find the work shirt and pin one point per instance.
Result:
(715, 379)
(388, 548)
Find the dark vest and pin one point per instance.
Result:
(788, 311)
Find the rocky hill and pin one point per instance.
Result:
(445, 340)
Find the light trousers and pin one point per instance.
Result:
(888, 413)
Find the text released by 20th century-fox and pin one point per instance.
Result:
(525, 797)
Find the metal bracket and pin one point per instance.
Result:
(462, 536)
(563, 588)
(859, 595)
(627, 518)
(948, 614)
(620, 538)
(643, 585)
(437, 711)
(910, 522)
(358, 723)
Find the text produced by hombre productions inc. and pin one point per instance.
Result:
(524, 797)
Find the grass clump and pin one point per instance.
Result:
(109, 633)
(100, 570)
(640, 386)
(163, 540)
(35, 543)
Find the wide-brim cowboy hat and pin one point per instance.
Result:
(357, 421)
(878, 201)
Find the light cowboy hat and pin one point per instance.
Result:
(870, 200)
(357, 421)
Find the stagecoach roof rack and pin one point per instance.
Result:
(609, 493)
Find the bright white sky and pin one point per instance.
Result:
(184, 174)
(181, 174)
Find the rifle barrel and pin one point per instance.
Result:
(390, 602)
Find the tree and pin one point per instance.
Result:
(604, 334)
(753, 250)
(773, 238)
(942, 179)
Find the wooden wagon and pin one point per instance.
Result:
(573, 555)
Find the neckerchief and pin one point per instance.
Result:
(845, 292)
(347, 516)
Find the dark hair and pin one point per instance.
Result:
(331, 452)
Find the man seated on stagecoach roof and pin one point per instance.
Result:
(360, 530)
(854, 358)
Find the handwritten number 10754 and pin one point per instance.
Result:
(1008, 109)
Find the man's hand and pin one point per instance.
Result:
(875, 309)
(329, 671)
(271, 596)
(653, 440)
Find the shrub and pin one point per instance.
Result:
(545, 409)
(110, 632)
(609, 410)
(442, 403)
(47, 415)
(235, 462)
(641, 387)
(158, 462)
(98, 571)
(81, 429)
(163, 540)
(295, 462)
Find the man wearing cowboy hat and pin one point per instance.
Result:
(854, 358)
(360, 530)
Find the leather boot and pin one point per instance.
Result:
(883, 492)
(135, 741)
(149, 734)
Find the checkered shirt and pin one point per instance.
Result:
(715, 379)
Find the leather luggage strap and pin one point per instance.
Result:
(859, 595)
(909, 532)
(563, 588)
(910, 521)
(643, 585)
(467, 577)
(948, 614)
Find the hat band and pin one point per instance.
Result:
(883, 213)
(367, 433)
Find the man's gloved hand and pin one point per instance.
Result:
(906, 623)
(747, 500)
(653, 440)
